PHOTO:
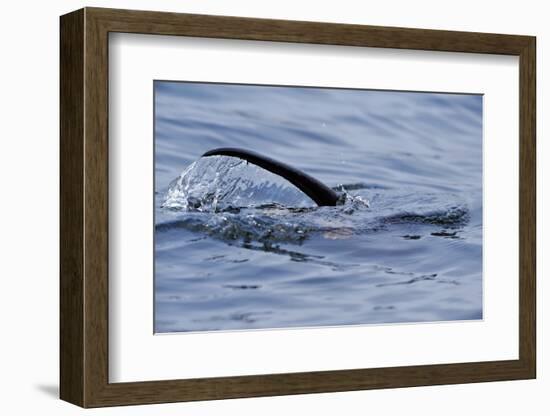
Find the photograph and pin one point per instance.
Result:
(280, 207)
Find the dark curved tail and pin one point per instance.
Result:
(316, 190)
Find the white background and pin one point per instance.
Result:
(136, 355)
(29, 209)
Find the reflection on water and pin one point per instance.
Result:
(237, 247)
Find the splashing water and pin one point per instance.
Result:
(218, 183)
(230, 199)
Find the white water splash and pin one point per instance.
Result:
(217, 183)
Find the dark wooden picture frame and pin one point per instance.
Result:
(84, 207)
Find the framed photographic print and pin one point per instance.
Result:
(255, 207)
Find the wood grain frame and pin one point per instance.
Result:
(84, 216)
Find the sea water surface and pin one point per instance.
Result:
(238, 248)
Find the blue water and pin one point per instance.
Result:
(239, 248)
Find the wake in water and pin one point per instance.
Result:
(229, 199)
